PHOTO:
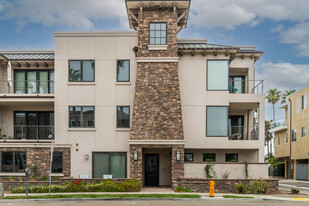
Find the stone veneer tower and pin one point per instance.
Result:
(157, 117)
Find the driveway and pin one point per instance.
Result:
(287, 185)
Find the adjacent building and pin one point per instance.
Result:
(140, 104)
(291, 136)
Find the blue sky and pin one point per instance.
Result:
(280, 28)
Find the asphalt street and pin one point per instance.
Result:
(154, 203)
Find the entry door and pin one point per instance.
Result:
(152, 170)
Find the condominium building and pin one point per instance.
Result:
(140, 104)
(291, 136)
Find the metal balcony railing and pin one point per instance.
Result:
(243, 133)
(26, 87)
(246, 86)
(26, 132)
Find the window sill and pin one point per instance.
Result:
(57, 175)
(81, 83)
(123, 129)
(157, 47)
(123, 83)
(7, 174)
(81, 129)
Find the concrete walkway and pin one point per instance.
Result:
(288, 184)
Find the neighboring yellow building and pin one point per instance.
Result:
(294, 130)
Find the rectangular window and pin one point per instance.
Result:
(231, 157)
(278, 139)
(81, 71)
(33, 125)
(57, 163)
(304, 102)
(188, 157)
(303, 132)
(109, 164)
(34, 81)
(123, 117)
(298, 106)
(123, 70)
(217, 121)
(286, 137)
(81, 116)
(209, 157)
(157, 33)
(237, 84)
(294, 133)
(15, 162)
(217, 75)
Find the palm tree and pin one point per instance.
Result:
(273, 97)
(268, 135)
(287, 93)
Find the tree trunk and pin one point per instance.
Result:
(267, 143)
(271, 145)
(274, 116)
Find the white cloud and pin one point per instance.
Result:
(77, 14)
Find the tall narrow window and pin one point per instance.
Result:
(237, 84)
(123, 117)
(286, 137)
(298, 105)
(81, 71)
(278, 139)
(123, 70)
(303, 131)
(81, 116)
(157, 33)
(217, 75)
(217, 121)
(304, 102)
(57, 166)
(294, 132)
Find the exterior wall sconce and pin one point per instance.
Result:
(86, 156)
(135, 155)
(177, 155)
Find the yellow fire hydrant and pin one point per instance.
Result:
(211, 188)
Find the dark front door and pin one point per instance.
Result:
(152, 170)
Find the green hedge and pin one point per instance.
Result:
(80, 186)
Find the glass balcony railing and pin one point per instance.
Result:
(26, 87)
(26, 132)
(278, 123)
(243, 132)
(246, 86)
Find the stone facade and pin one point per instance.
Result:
(40, 157)
(222, 185)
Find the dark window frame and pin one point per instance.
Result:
(303, 101)
(117, 126)
(243, 83)
(228, 75)
(279, 141)
(228, 108)
(188, 153)
(226, 154)
(303, 133)
(53, 172)
(109, 162)
(81, 70)
(37, 77)
(13, 161)
(81, 117)
(214, 154)
(294, 135)
(150, 37)
(128, 68)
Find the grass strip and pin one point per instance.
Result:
(80, 196)
(235, 196)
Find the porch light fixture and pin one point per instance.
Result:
(177, 155)
(86, 156)
(135, 155)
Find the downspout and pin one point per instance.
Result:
(290, 161)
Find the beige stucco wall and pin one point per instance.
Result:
(236, 171)
(282, 150)
(105, 94)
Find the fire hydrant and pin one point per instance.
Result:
(211, 188)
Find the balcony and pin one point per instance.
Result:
(278, 125)
(243, 132)
(26, 87)
(241, 86)
(26, 132)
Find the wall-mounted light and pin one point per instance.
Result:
(135, 155)
(177, 155)
(86, 156)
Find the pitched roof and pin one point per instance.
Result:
(204, 46)
(28, 56)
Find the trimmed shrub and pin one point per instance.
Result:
(182, 189)
(255, 186)
(80, 186)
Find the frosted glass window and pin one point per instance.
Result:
(118, 165)
(100, 165)
(217, 74)
(217, 121)
(20, 86)
(109, 164)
